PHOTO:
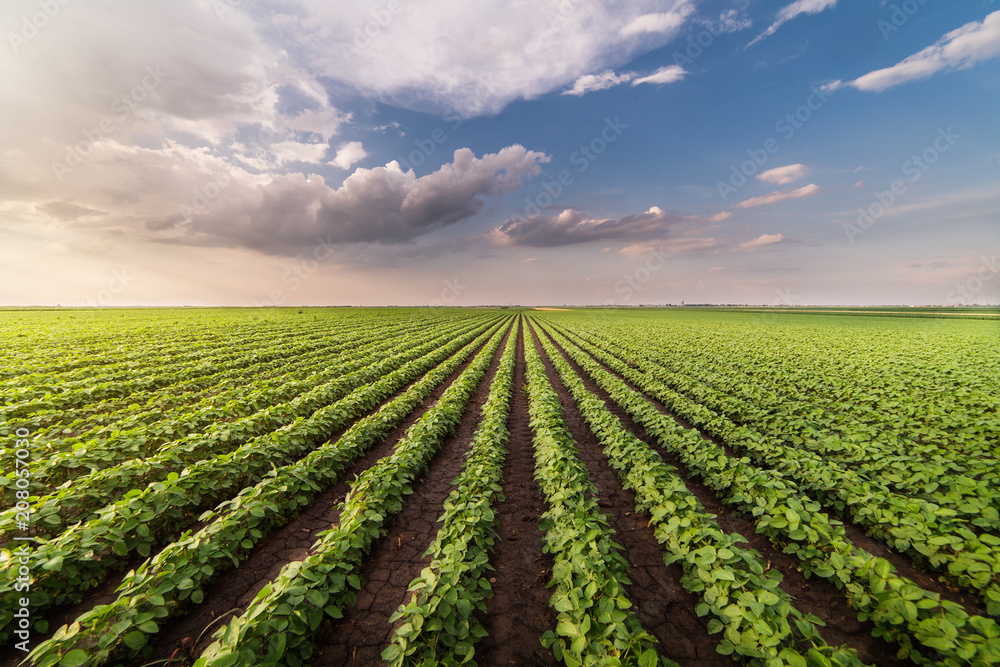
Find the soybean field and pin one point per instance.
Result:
(507, 486)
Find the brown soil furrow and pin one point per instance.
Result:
(856, 533)
(816, 596)
(518, 613)
(236, 588)
(398, 557)
(664, 607)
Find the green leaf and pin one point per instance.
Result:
(74, 658)
(135, 640)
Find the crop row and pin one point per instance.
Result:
(918, 620)
(82, 556)
(953, 479)
(929, 532)
(595, 624)
(77, 499)
(438, 623)
(255, 403)
(745, 602)
(61, 431)
(177, 576)
(279, 625)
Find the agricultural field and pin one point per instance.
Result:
(339, 486)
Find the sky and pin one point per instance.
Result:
(533, 152)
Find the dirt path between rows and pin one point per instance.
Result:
(519, 613)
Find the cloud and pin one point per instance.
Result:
(294, 151)
(608, 79)
(719, 217)
(572, 226)
(668, 74)
(791, 11)
(349, 154)
(779, 196)
(664, 22)
(382, 205)
(761, 241)
(66, 211)
(473, 62)
(591, 82)
(731, 21)
(783, 175)
(961, 48)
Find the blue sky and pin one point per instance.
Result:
(554, 152)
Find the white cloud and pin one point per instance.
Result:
(719, 217)
(972, 43)
(731, 21)
(791, 11)
(294, 151)
(665, 22)
(444, 55)
(608, 79)
(591, 82)
(760, 241)
(779, 196)
(349, 154)
(668, 74)
(783, 175)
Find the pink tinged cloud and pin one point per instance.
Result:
(783, 175)
(761, 241)
(780, 196)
